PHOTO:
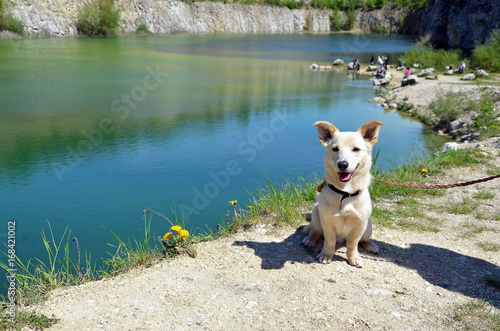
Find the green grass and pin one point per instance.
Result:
(408, 216)
(27, 319)
(282, 203)
(412, 173)
(472, 229)
(478, 315)
(466, 207)
(484, 195)
(488, 246)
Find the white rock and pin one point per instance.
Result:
(469, 77)
(449, 146)
(482, 73)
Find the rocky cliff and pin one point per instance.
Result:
(459, 23)
(454, 23)
(57, 17)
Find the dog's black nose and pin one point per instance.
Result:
(343, 165)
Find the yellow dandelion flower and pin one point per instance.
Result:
(233, 202)
(249, 207)
(184, 233)
(176, 228)
(424, 170)
(167, 236)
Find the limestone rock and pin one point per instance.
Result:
(482, 73)
(469, 77)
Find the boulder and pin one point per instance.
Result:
(371, 68)
(410, 80)
(382, 81)
(469, 77)
(449, 146)
(350, 66)
(448, 72)
(426, 72)
(338, 62)
(377, 100)
(432, 77)
(455, 125)
(482, 73)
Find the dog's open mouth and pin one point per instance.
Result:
(346, 176)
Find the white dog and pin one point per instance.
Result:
(343, 208)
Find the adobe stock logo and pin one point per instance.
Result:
(219, 180)
(121, 106)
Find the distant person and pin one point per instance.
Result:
(386, 61)
(461, 67)
(407, 72)
(371, 60)
(380, 62)
(356, 64)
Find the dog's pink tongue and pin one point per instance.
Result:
(344, 176)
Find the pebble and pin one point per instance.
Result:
(396, 314)
(379, 291)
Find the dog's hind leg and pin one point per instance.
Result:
(365, 241)
(313, 230)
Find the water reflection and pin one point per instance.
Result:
(87, 139)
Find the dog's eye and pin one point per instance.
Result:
(355, 149)
(335, 149)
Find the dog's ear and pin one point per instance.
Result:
(325, 131)
(370, 130)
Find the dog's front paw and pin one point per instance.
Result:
(324, 258)
(356, 262)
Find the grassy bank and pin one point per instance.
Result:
(287, 203)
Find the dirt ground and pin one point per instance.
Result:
(264, 279)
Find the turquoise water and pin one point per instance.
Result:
(92, 131)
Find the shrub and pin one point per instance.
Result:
(411, 3)
(351, 18)
(446, 108)
(291, 4)
(99, 18)
(380, 29)
(429, 57)
(486, 116)
(10, 23)
(143, 29)
(337, 21)
(487, 56)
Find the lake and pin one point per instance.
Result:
(95, 130)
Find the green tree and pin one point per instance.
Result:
(351, 19)
(99, 18)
